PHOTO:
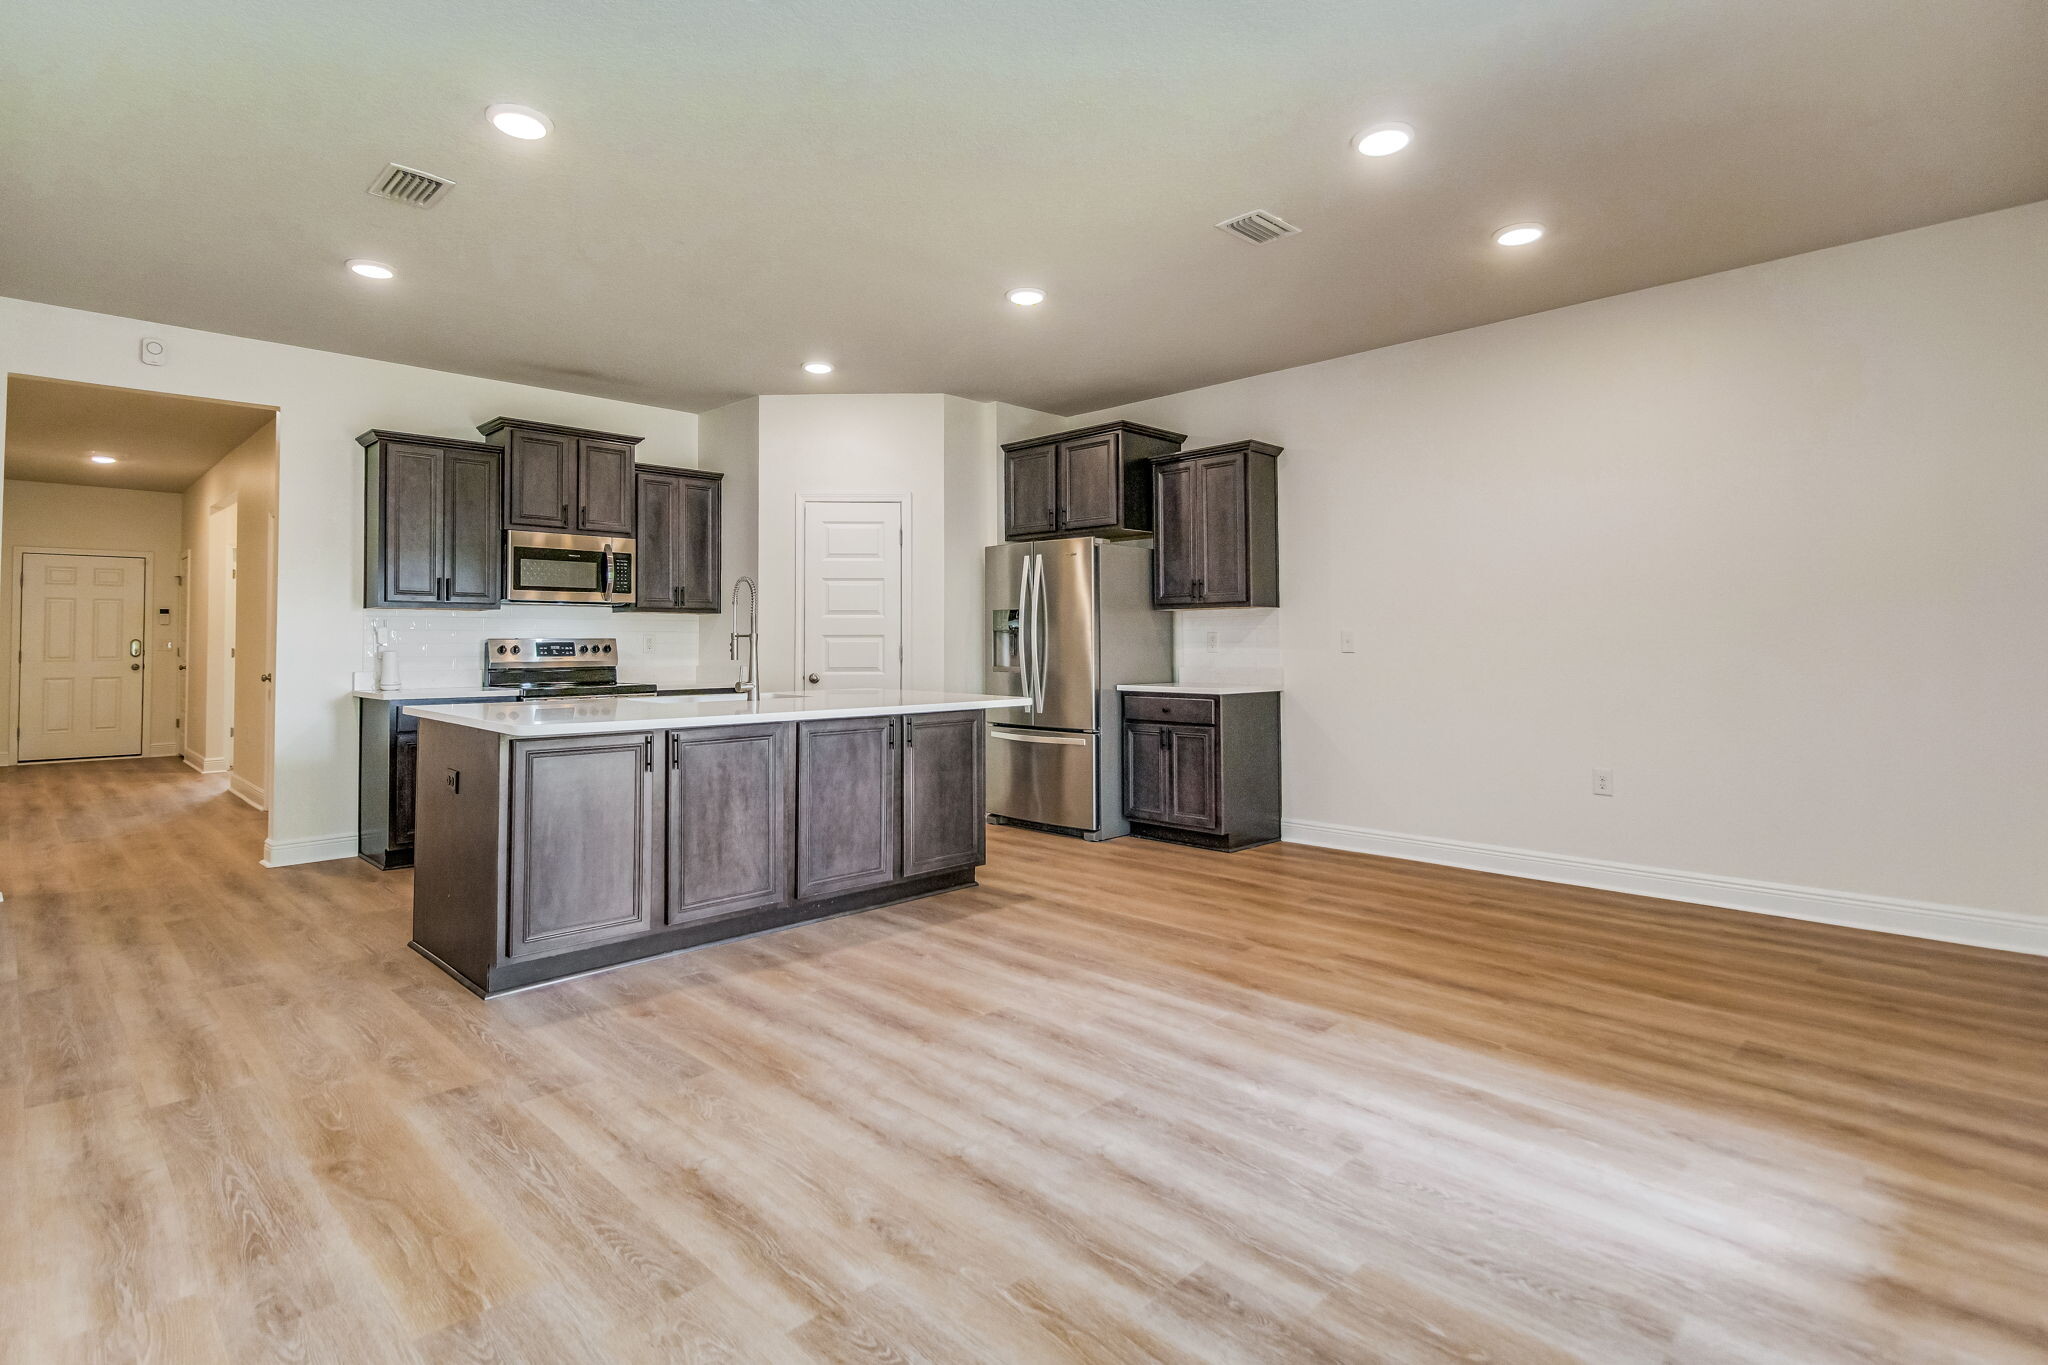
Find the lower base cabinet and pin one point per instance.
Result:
(1203, 768)
(543, 858)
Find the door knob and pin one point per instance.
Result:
(135, 668)
(812, 677)
(264, 678)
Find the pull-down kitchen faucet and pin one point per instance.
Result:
(750, 681)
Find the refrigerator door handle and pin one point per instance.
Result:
(1036, 737)
(1042, 646)
(1024, 633)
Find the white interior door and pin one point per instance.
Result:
(81, 669)
(853, 595)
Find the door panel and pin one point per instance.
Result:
(413, 530)
(1046, 776)
(655, 548)
(605, 488)
(1091, 479)
(1146, 762)
(846, 819)
(586, 842)
(539, 477)
(474, 535)
(1067, 628)
(1176, 552)
(728, 813)
(1224, 553)
(700, 572)
(853, 595)
(1004, 658)
(943, 792)
(1192, 797)
(1029, 493)
(82, 656)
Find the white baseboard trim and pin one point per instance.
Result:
(164, 748)
(1854, 910)
(199, 764)
(248, 791)
(292, 852)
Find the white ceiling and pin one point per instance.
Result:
(736, 187)
(160, 442)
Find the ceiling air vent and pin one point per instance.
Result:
(409, 186)
(1259, 226)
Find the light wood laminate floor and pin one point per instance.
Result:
(1124, 1102)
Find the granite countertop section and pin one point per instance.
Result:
(1195, 689)
(614, 715)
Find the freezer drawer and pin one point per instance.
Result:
(1045, 776)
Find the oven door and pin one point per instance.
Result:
(541, 567)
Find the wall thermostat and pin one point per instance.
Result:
(152, 351)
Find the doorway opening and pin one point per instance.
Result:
(135, 529)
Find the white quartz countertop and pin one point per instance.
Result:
(1195, 689)
(613, 715)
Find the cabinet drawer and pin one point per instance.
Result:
(1180, 710)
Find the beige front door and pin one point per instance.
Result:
(80, 684)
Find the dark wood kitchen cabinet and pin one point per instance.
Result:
(679, 547)
(1203, 769)
(587, 839)
(728, 819)
(566, 478)
(1094, 481)
(387, 775)
(847, 832)
(432, 535)
(1217, 543)
(943, 777)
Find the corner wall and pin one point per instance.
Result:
(1768, 544)
(246, 478)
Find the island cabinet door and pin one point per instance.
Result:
(728, 819)
(586, 842)
(944, 819)
(846, 821)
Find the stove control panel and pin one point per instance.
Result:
(528, 652)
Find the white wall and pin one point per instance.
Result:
(66, 516)
(729, 440)
(323, 401)
(1769, 544)
(244, 479)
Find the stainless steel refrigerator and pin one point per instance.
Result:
(1067, 620)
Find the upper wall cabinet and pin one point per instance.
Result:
(1096, 481)
(1218, 541)
(679, 545)
(433, 534)
(566, 478)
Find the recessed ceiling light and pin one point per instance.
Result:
(371, 270)
(516, 120)
(818, 366)
(102, 459)
(1518, 234)
(1384, 139)
(1026, 298)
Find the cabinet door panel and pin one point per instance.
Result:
(655, 550)
(605, 488)
(1029, 494)
(413, 554)
(1192, 775)
(1225, 554)
(586, 842)
(945, 818)
(540, 473)
(846, 824)
(405, 786)
(1146, 761)
(699, 548)
(473, 538)
(1176, 550)
(728, 813)
(1091, 479)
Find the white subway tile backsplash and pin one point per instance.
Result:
(437, 648)
(1247, 651)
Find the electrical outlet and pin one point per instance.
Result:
(647, 644)
(1603, 781)
(1347, 643)
(1214, 640)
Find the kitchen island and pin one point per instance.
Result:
(560, 837)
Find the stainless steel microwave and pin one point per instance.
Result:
(544, 566)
